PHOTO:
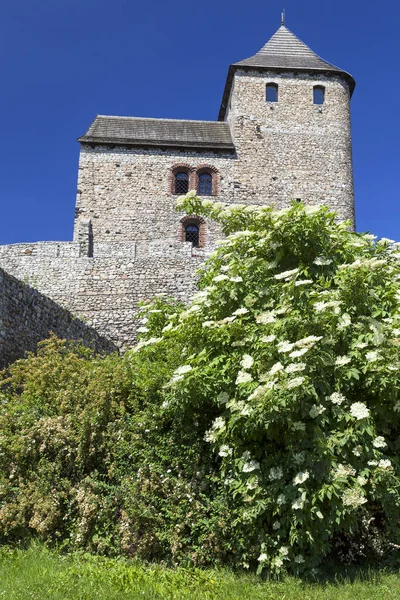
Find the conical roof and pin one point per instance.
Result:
(284, 52)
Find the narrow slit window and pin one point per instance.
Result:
(319, 94)
(205, 184)
(181, 183)
(192, 234)
(272, 92)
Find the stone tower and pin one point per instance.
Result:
(289, 116)
(283, 132)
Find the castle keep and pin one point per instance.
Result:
(283, 132)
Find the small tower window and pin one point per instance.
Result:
(181, 183)
(272, 92)
(205, 184)
(319, 94)
(192, 234)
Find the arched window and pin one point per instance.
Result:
(205, 187)
(192, 234)
(319, 94)
(181, 183)
(272, 92)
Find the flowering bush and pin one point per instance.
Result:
(290, 351)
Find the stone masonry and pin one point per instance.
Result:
(130, 244)
(26, 317)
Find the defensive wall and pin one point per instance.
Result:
(27, 316)
(101, 290)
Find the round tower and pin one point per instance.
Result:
(289, 114)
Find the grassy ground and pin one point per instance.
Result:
(43, 575)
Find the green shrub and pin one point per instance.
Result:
(88, 459)
(291, 351)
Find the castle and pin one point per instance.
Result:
(283, 132)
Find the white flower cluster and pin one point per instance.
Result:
(295, 367)
(359, 411)
(243, 377)
(225, 451)
(247, 361)
(342, 360)
(321, 306)
(316, 410)
(241, 311)
(373, 356)
(322, 261)
(267, 339)
(344, 471)
(353, 498)
(285, 346)
(301, 478)
(336, 398)
(250, 466)
(286, 275)
(266, 317)
(275, 473)
(379, 442)
(296, 382)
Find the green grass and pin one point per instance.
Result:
(43, 575)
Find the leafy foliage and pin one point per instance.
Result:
(259, 426)
(292, 350)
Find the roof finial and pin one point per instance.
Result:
(283, 17)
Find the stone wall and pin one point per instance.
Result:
(27, 316)
(126, 192)
(292, 148)
(104, 289)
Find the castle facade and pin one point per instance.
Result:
(283, 132)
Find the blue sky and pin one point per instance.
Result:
(63, 62)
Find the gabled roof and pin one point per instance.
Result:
(284, 52)
(136, 131)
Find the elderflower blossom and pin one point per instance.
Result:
(344, 471)
(303, 282)
(385, 463)
(299, 458)
(373, 356)
(353, 498)
(222, 397)
(247, 361)
(241, 311)
(298, 504)
(379, 442)
(299, 559)
(275, 473)
(285, 346)
(236, 279)
(225, 451)
(267, 339)
(243, 377)
(308, 341)
(357, 450)
(277, 562)
(210, 436)
(362, 480)
(218, 423)
(322, 261)
(281, 499)
(342, 360)
(301, 478)
(298, 426)
(336, 398)
(296, 382)
(276, 368)
(284, 550)
(316, 410)
(321, 306)
(359, 411)
(298, 353)
(344, 321)
(276, 525)
(263, 557)
(221, 277)
(295, 367)
(252, 484)
(250, 466)
(286, 274)
(266, 317)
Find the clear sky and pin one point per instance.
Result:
(64, 61)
